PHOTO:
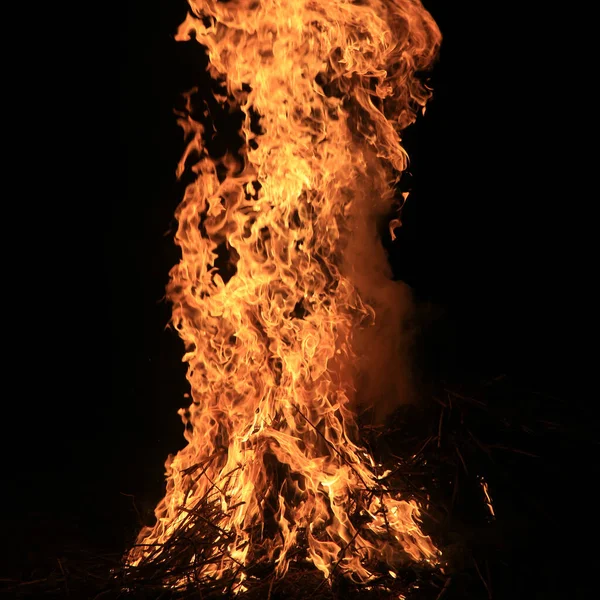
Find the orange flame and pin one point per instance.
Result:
(271, 437)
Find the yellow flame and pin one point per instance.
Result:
(269, 350)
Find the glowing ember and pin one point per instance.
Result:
(272, 442)
(488, 499)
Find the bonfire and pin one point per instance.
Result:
(279, 285)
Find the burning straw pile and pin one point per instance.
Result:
(431, 453)
(453, 455)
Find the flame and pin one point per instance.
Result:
(271, 438)
(488, 498)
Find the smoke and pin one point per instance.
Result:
(384, 370)
(385, 376)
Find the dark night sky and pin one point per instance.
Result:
(483, 238)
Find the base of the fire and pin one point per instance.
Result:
(450, 454)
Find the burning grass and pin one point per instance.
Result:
(454, 456)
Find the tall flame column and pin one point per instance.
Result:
(271, 438)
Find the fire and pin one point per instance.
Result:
(272, 443)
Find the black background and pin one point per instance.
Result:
(486, 239)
